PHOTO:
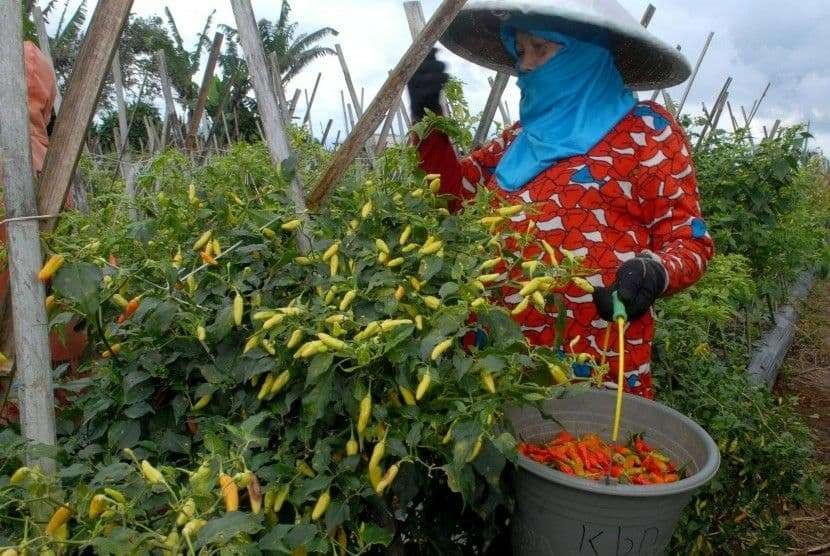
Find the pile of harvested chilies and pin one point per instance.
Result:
(590, 458)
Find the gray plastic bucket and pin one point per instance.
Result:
(558, 514)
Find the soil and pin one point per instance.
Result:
(806, 374)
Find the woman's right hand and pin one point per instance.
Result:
(426, 85)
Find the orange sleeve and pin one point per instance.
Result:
(42, 90)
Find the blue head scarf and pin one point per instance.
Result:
(567, 106)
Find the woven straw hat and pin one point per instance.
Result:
(645, 62)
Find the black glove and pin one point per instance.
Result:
(426, 85)
(640, 281)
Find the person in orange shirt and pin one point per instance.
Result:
(41, 86)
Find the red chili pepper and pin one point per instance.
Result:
(132, 307)
(616, 471)
(642, 446)
(562, 437)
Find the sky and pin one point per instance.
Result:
(756, 42)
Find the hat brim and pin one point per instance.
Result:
(645, 62)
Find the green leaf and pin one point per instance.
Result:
(273, 539)
(223, 529)
(430, 266)
(371, 534)
(448, 289)
(301, 535)
(337, 513)
(319, 364)
(138, 410)
(113, 473)
(414, 434)
(158, 322)
(74, 471)
(251, 423)
(80, 282)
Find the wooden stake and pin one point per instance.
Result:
(502, 108)
(496, 91)
(648, 15)
(171, 120)
(267, 103)
(293, 106)
(123, 139)
(28, 312)
(694, 75)
(307, 117)
(276, 76)
(326, 131)
(91, 66)
(389, 93)
(207, 81)
(757, 105)
(345, 111)
(349, 84)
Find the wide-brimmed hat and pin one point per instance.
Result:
(645, 62)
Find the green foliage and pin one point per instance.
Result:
(181, 384)
(768, 455)
(136, 112)
(769, 204)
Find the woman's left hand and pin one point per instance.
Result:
(640, 281)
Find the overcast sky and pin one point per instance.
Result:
(756, 42)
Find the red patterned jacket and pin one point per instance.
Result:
(633, 193)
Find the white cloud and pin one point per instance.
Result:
(756, 42)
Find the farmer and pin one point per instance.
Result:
(610, 178)
(41, 86)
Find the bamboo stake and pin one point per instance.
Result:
(349, 83)
(267, 102)
(648, 15)
(207, 81)
(694, 75)
(28, 312)
(386, 97)
(496, 91)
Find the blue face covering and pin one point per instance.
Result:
(568, 105)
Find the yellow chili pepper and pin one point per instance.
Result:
(58, 520)
(365, 413)
(387, 480)
(292, 225)
(405, 235)
(432, 302)
(408, 396)
(583, 284)
(347, 300)
(202, 402)
(19, 476)
(331, 251)
(192, 528)
(423, 386)
(366, 210)
(187, 512)
(295, 339)
(230, 492)
(394, 263)
(321, 506)
(238, 309)
(332, 342)
(152, 475)
(442, 347)
(488, 382)
(203, 240)
(51, 267)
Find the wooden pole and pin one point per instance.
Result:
(496, 91)
(326, 131)
(345, 111)
(307, 117)
(388, 95)
(758, 103)
(170, 118)
(774, 130)
(416, 20)
(93, 61)
(43, 39)
(348, 78)
(694, 74)
(502, 109)
(293, 106)
(28, 312)
(267, 103)
(716, 109)
(123, 138)
(648, 15)
(201, 100)
(276, 76)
